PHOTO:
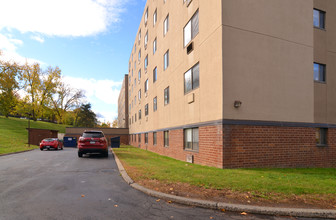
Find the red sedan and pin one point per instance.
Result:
(51, 143)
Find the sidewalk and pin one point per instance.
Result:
(308, 213)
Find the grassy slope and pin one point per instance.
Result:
(14, 135)
(148, 165)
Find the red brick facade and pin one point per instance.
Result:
(234, 146)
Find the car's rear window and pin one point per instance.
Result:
(93, 134)
(49, 139)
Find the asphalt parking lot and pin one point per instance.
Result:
(59, 185)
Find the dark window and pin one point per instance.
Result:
(319, 72)
(166, 96)
(321, 136)
(146, 85)
(319, 19)
(146, 109)
(155, 104)
(155, 74)
(139, 138)
(191, 139)
(154, 46)
(93, 134)
(146, 138)
(135, 117)
(191, 79)
(139, 114)
(166, 138)
(154, 138)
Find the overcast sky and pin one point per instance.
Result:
(90, 40)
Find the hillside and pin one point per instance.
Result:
(14, 135)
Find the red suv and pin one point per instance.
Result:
(92, 142)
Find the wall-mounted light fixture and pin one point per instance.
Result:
(237, 104)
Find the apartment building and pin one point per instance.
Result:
(122, 104)
(236, 83)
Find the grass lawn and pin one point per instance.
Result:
(14, 135)
(265, 183)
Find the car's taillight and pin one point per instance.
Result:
(102, 140)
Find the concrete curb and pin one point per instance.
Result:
(16, 152)
(295, 212)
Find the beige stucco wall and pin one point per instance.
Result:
(325, 53)
(268, 60)
(207, 51)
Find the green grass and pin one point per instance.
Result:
(14, 135)
(259, 182)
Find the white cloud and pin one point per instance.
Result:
(60, 17)
(37, 38)
(8, 46)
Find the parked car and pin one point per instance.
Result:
(51, 143)
(92, 142)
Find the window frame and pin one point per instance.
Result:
(194, 145)
(192, 35)
(155, 104)
(321, 137)
(154, 46)
(166, 138)
(155, 74)
(166, 60)
(146, 110)
(193, 86)
(146, 138)
(321, 73)
(166, 25)
(155, 17)
(321, 19)
(154, 138)
(146, 86)
(166, 96)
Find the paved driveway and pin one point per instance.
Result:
(59, 185)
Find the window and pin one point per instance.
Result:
(146, 62)
(134, 48)
(154, 138)
(139, 95)
(146, 16)
(135, 117)
(139, 74)
(134, 64)
(134, 100)
(166, 26)
(139, 138)
(191, 79)
(146, 109)
(319, 19)
(166, 96)
(191, 29)
(319, 72)
(146, 85)
(146, 138)
(154, 74)
(139, 114)
(321, 136)
(134, 82)
(154, 46)
(139, 55)
(132, 72)
(166, 138)
(134, 137)
(146, 39)
(154, 17)
(155, 104)
(139, 37)
(191, 139)
(166, 60)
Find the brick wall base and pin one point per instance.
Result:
(238, 146)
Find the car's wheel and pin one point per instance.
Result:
(106, 154)
(80, 154)
(62, 148)
(41, 149)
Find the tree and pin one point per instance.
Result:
(86, 117)
(9, 86)
(32, 85)
(50, 81)
(115, 123)
(65, 99)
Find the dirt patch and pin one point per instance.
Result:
(234, 197)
